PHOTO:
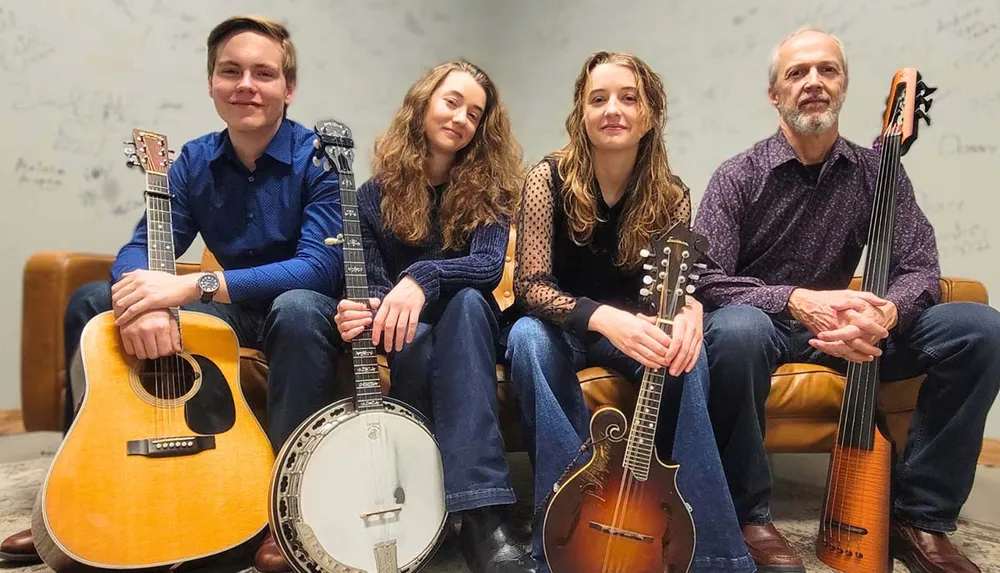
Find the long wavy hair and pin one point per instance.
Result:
(483, 183)
(652, 192)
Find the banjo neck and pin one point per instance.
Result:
(338, 154)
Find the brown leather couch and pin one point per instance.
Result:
(802, 410)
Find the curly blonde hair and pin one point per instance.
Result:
(657, 193)
(483, 183)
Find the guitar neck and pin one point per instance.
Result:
(367, 387)
(159, 225)
(858, 410)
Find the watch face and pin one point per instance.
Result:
(208, 282)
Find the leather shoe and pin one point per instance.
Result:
(489, 545)
(927, 551)
(269, 558)
(770, 551)
(20, 548)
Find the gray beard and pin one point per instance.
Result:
(804, 124)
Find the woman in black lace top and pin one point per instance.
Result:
(587, 211)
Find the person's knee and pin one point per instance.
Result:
(301, 310)
(92, 298)
(529, 337)
(737, 326)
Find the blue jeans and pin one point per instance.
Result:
(296, 334)
(544, 361)
(954, 344)
(448, 373)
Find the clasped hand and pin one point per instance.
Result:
(396, 317)
(638, 336)
(140, 301)
(847, 324)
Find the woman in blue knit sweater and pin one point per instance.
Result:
(435, 223)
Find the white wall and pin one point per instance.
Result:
(77, 77)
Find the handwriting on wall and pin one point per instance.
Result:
(103, 193)
(20, 47)
(39, 174)
(953, 144)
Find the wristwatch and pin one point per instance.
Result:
(209, 285)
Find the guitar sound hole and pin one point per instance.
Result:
(166, 378)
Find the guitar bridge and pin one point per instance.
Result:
(170, 447)
(385, 557)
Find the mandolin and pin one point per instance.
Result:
(165, 462)
(622, 511)
(854, 526)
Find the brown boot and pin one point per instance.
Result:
(20, 547)
(927, 551)
(770, 551)
(269, 558)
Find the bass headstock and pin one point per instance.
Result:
(671, 262)
(908, 102)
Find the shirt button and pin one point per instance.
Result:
(250, 179)
(249, 215)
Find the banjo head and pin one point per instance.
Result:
(348, 481)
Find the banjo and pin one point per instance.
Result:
(359, 486)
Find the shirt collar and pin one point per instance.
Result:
(279, 148)
(779, 151)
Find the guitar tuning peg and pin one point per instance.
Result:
(701, 266)
(316, 161)
(919, 114)
(326, 164)
(316, 142)
(647, 267)
(693, 277)
(171, 151)
(647, 280)
(645, 292)
(689, 289)
(644, 253)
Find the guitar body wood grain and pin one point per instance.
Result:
(105, 504)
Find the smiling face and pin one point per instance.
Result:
(613, 111)
(454, 112)
(248, 85)
(811, 83)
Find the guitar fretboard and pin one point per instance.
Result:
(159, 224)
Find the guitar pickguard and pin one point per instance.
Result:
(212, 410)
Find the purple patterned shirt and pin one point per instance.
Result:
(774, 224)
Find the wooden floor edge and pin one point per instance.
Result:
(11, 422)
(990, 454)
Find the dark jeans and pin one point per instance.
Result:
(448, 373)
(296, 334)
(954, 344)
(544, 360)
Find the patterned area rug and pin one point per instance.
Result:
(795, 506)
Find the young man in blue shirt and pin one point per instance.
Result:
(263, 209)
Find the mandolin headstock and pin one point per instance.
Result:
(671, 261)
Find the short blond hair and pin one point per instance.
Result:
(259, 24)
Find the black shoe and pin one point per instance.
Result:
(490, 546)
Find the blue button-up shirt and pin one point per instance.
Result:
(266, 227)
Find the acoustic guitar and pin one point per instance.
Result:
(854, 526)
(165, 462)
(622, 511)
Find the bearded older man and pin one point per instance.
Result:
(787, 221)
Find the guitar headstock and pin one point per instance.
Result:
(335, 149)
(148, 151)
(908, 102)
(670, 264)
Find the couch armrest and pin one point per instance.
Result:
(50, 278)
(955, 289)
